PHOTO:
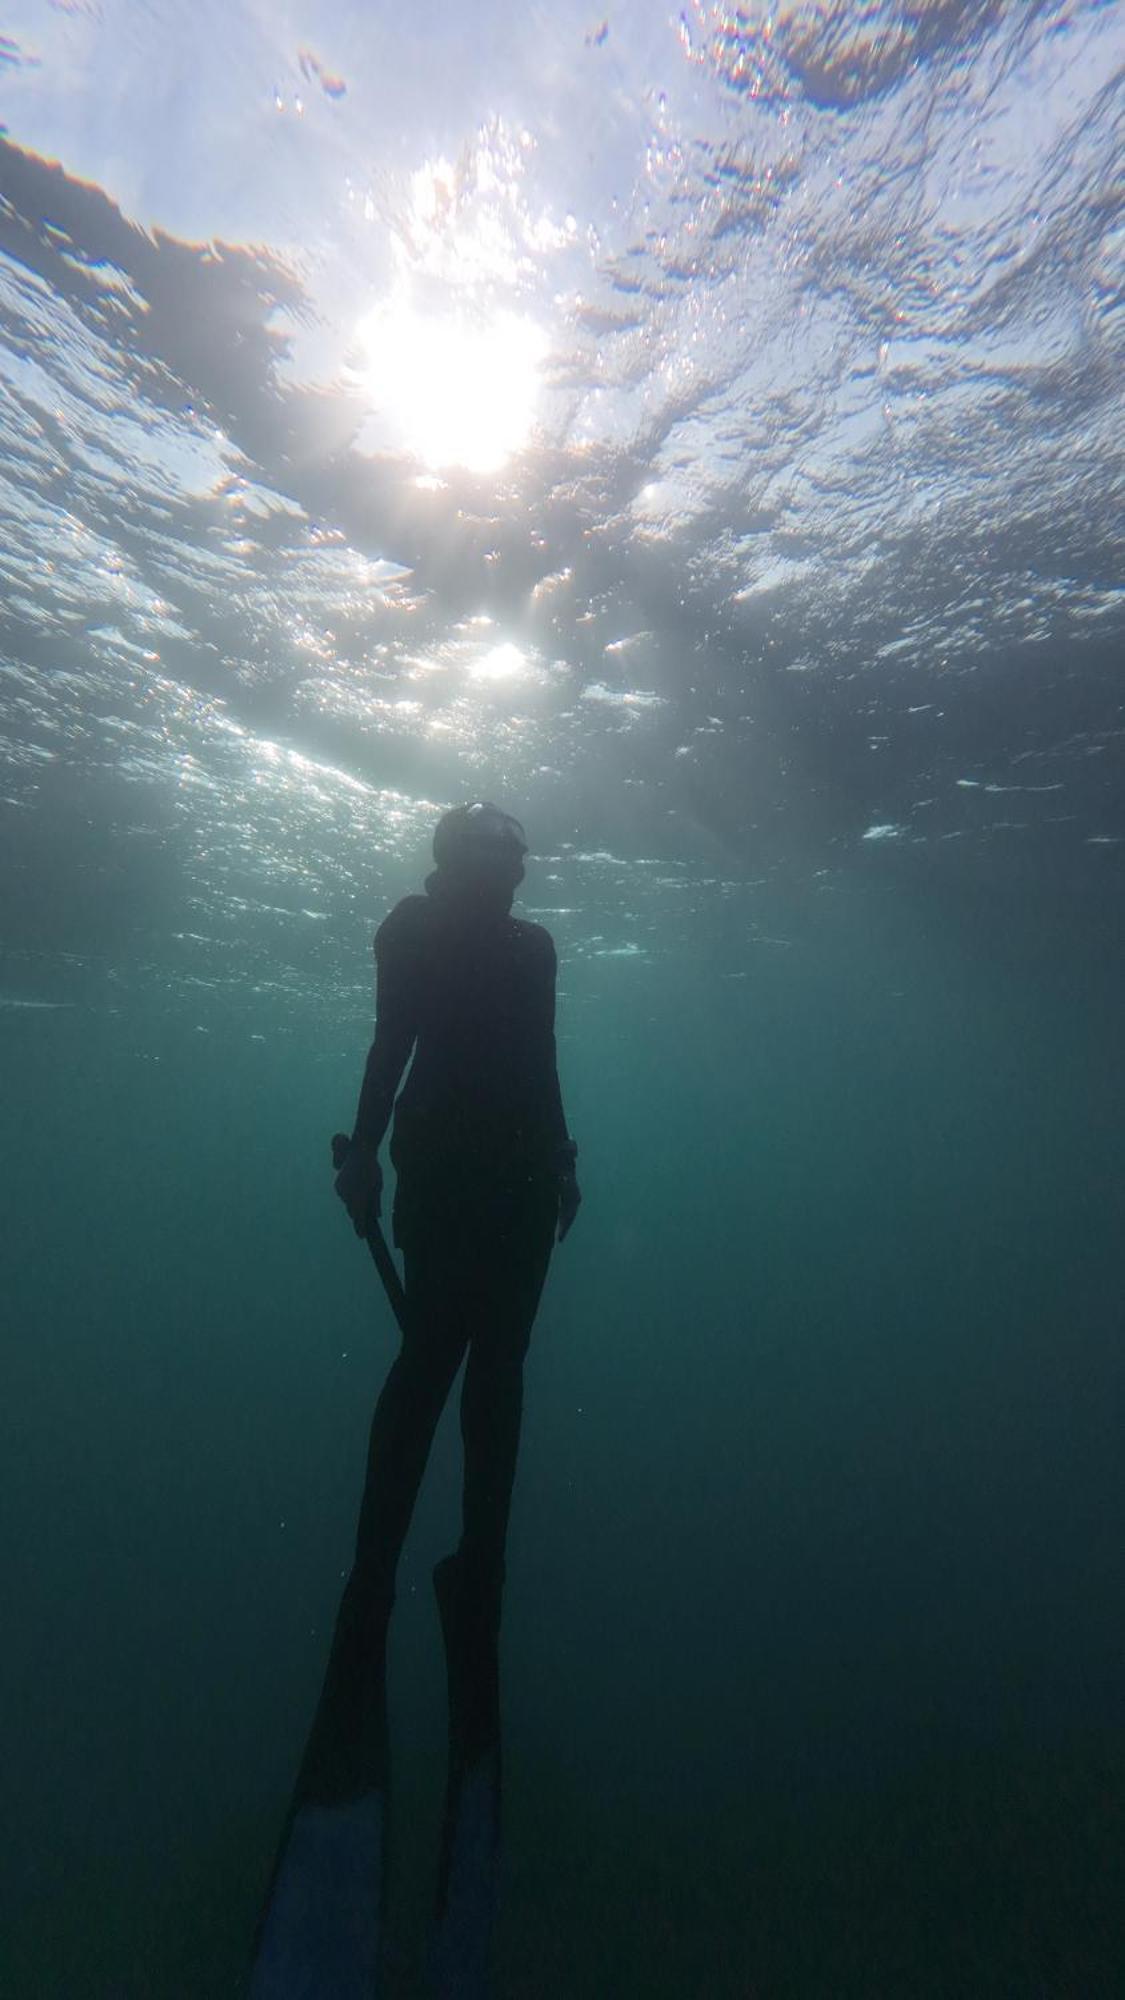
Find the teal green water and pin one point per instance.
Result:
(812, 1647)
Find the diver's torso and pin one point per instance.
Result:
(479, 1090)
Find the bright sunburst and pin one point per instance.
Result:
(459, 391)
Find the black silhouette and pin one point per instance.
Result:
(485, 1183)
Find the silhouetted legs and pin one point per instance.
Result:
(473, 1280)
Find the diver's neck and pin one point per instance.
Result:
(468, 902)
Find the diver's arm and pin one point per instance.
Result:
(396, 1025)
(555, 1116)
(564, 1147)
(359, 1182)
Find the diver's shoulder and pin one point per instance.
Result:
(410, 918)
(534, 939)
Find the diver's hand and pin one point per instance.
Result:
(570, 1201)
(359, 1185)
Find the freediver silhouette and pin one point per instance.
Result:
(485, 1184)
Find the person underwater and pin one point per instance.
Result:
(485, 1185)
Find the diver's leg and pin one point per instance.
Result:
(347, 1745)
(505, 1279)
(500, 1308)
(500, 1312)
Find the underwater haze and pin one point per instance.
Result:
(702, 433)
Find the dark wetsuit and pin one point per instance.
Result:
(478, 1133)
(478, 1142)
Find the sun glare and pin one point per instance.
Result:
(459, 391)
(501, 663)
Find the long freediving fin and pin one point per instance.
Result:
(469, 1870)
(320, 1931)
(319, 1935)
(319, 1938)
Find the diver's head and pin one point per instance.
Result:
(479, 852)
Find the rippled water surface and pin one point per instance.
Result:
(700, 431)
(704, 430)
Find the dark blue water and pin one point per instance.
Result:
(776, 584)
